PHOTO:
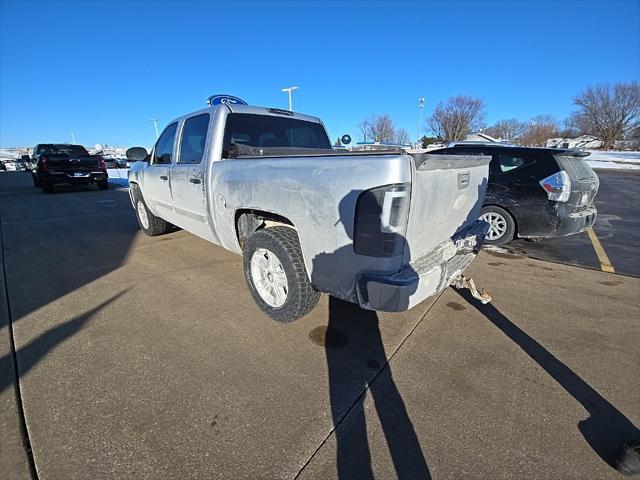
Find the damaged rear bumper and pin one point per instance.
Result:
(423, 277)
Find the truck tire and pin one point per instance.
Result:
(47, 187)
(103, 184)
(36, 180)
(276, 276)
(502, 226)
(149, 223)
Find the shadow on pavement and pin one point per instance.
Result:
(606, 430)
(29, 355)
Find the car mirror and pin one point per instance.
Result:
(137, 154)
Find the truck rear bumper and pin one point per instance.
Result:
(73, 178)
(423, 277)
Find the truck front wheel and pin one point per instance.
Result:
(149, 223)
(276, 276)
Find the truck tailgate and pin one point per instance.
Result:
(447, 192)
(81, 163)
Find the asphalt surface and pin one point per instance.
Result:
(617, 227)
(145, 357)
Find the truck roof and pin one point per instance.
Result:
(251, 109)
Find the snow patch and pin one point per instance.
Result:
(118, 176)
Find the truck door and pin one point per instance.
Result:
(188, 189)
(157, 190)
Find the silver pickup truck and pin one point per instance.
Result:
(381, 229)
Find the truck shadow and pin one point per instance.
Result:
(29, 355)
(606, 429)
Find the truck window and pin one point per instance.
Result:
(271, 131)
(164, 146)
(194, 137)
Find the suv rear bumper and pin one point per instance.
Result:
(423, 277)
(563, 224)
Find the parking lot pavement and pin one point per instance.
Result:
(617, 227)
(146, 358)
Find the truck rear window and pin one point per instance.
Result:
(267, 131)
(71, 150)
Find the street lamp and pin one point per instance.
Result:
(155, 125)
(420, 109)
(289, 90)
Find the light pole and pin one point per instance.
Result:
(420, 109)
(289, 90)
(73, 138)
(155, 125)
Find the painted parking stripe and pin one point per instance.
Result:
(605, 263)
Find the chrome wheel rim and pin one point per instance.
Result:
(268, 277)
(142, 215)
(497, 225)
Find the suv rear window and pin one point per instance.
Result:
(576, 167)
(267, 131)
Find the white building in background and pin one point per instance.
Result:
(482, 137)
(583, 142)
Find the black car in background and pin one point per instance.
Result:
(533, 192)
(61, 163)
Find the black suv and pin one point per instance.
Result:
(533, 192)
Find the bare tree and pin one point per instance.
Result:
(402, 136)
(456, 118)
(382, 128)
(609, 112)
(507, 129)
(538, 130)
(365, 127)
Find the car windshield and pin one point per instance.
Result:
(71, 150)
(268, 131)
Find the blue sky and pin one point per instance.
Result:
(103, 69)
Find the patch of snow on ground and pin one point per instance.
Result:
(612, 165)
(118, 176)
(614, 160)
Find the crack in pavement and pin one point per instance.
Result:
(364, 391)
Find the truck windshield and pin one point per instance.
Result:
(268, 131)
(71, 150)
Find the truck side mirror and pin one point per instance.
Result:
(137, 154)
(345, 139)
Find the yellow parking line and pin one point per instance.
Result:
(605, 263)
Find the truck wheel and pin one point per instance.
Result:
(46, 187)
(502, 227)
(149, 223)
(36, 180)
(103, 184)
(276, 276)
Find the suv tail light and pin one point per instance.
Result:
(381, 221)
(557, 186)
(43, 164)
(103, 166)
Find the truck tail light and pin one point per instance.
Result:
(43, 164)
(103, 166)
(381, 221)
(557, 186)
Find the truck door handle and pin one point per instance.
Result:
(194, 180)
(164, 177)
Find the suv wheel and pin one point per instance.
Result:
(502, 227)
(276, 276)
